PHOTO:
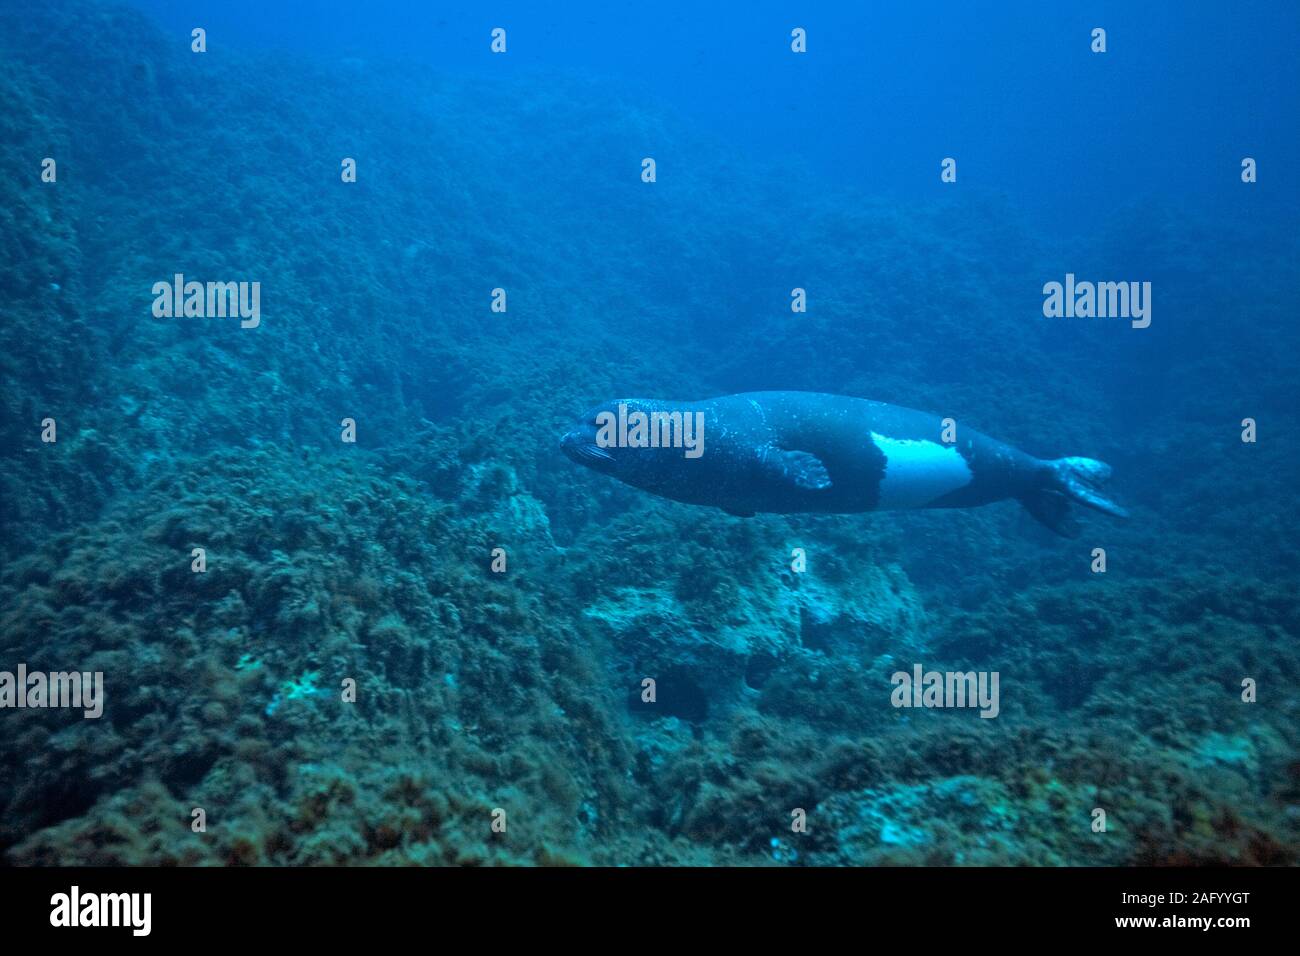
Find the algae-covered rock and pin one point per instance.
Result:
(711, 636)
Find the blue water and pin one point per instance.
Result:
(1071, 135)
(353, 673)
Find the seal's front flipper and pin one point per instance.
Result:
(1071, 479)
(800, 468)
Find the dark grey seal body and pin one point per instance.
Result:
(788, 452)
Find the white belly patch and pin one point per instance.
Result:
(917, 472)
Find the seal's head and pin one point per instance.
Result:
(637, 441)
(588, 441)
(581, 444)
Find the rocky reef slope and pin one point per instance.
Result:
(521, 690)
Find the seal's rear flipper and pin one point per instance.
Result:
(1071, 479)
(1052, 509)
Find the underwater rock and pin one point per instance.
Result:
(223, 687)
(963, 820)
(705, 660)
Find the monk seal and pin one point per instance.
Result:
(790, 452)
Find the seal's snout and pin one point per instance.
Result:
(568, 445)
(572, 444)
(581, 447)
